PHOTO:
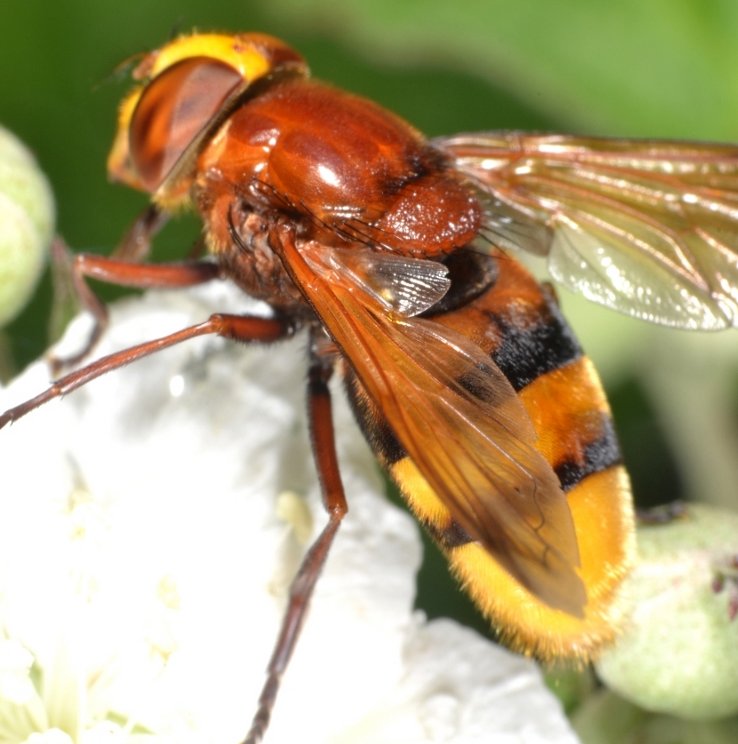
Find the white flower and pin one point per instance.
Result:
(149, 526)
(15, 672)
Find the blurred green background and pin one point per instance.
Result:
(666, 68)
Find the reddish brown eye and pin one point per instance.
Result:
(173, 109)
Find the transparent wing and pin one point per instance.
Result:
(458, 419)
(407, 285)
(646, 227)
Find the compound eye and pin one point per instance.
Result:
(174, 108)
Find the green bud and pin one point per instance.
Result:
(679, 651)
(26, 224)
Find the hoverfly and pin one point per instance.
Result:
(394, 253)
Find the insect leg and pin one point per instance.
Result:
(322, 437)
(136, 243)
(125, 273)
(237, 327)
(135, 246)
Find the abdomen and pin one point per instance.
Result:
(520, 327)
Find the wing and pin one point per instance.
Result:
(455, 414)
(646, 227)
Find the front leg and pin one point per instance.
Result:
(235, 327)
(125, 273)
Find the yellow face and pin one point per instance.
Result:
(186, 91)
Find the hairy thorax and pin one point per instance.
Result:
(249, 261)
